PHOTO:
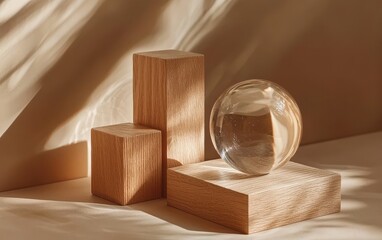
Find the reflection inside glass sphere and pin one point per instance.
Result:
(256, 126)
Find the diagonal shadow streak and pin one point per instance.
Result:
(24, 13)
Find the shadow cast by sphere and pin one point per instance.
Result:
(221, 174)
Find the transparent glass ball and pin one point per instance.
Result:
(256, 126)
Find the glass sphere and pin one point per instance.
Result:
(256, 126)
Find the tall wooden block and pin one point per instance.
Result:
(126, 163)
(219, 193)
(168, 95)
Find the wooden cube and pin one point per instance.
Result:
(126, 163)
(168, 93)
(248, 204)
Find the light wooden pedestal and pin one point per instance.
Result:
(168, 92)
(126, 163)
(215, 191)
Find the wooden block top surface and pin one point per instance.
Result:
(169, 54)
(220, 174)
(126, 130)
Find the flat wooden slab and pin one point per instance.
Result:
(215, 191)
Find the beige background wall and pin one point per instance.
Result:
(66, 67)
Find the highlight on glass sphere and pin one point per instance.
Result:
(256, 126)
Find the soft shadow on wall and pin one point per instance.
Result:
(65, 88)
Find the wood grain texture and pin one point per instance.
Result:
(219, 193)
(168, 93)
(126, 163)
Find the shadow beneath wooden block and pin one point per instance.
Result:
(159, 209)
(78, 191)
(173, 163)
